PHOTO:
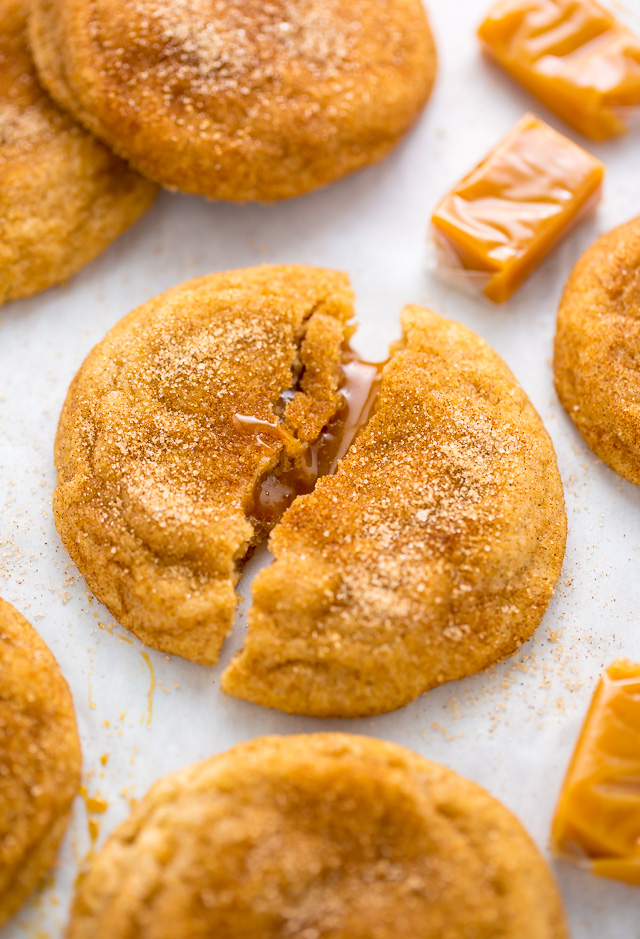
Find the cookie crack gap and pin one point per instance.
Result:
(300, 463)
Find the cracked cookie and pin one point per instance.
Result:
(204, 421)
(324, 835)
(64, 197)
(239, 100)
(597, 349)
(431, 553)
(40, 759)
(221, 387)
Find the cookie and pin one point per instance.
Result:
(597, 346)
(239, 100)
(169, 427)
(205, 414)
(324, 835)
(40, 760)
(64, 197)
(431, 553)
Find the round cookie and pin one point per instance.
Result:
(324, 835)
(597, 348)
(156, 473)
(64, 197)
(430, 554)
(239, 100)
(318, 835)
(40, 761)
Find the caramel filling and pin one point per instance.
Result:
(274, 493)
(264, 431)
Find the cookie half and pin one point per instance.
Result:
(324, 835)
(168, 429)
(40, 761)
(431, 553)
(597, 348)
(64, 197)
(239, 100)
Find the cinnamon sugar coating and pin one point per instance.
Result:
(597, 349)
(40, 759)
(323, 836)
(64, 197)
(156, 474)
(239, 99)
(430, 554)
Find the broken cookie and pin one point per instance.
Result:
(425, 554)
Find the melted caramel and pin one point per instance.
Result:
(152, 688)
(573, 55)
(360, 392)
(503, 219)
(597, 818)
(265, 432)
(276, 492)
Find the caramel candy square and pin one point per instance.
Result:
(502, 220)
(597, 818)
(573, 55)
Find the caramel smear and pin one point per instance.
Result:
(360, 390)
(94, 806)
(152, 688)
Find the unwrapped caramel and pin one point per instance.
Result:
(496, 226)
(573, 55)
(597, 819)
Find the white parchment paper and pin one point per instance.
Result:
(511, 729)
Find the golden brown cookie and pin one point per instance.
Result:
(597, 349)
(429, 555)
(40, 759)
(239, 99)
(63, 196)
(324, 836)
(170, 425)
(432, 552)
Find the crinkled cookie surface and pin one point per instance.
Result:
(597, 349)
(239, 99)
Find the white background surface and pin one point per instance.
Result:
(511, 729)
